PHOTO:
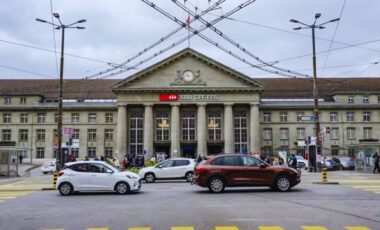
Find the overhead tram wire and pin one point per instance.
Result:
(152, 45)
(26, 71)
(333, 38)
(197, 32)
(230, 40)
(52, 51)
(236, 9)
(295, 33)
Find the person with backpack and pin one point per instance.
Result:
(293, 161)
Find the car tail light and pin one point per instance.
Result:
(61, 173)
(200, 170)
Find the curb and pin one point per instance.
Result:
(48, 189)
(321, 182)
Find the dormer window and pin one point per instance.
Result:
(365, 99)
(22, 100)
(7, 100)
(351, 99)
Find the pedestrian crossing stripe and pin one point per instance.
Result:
(8, 195)
(270, 228)
(356, 228)
(313, 228)
(182, 228)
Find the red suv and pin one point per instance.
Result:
(232, 170)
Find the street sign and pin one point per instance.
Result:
(307, 118)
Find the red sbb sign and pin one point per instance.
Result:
(169, 97)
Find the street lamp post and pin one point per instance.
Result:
(59, 156)
(315, 83)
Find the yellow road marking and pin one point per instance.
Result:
(226, 228)
(97, 228)
(182, 228)
(314, 228)
(140, 228)
(356, 228)
(270, 228)
(7, 197)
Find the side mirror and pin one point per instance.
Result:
(263, 166)
(109, 171)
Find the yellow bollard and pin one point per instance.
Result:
(55, 177)
(324, 175)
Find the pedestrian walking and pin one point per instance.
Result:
(20, 157)
(280, 161)
(376, 163)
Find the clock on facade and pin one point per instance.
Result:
(188, 76)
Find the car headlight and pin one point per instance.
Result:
(132, 177)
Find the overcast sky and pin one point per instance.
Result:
(118, 29)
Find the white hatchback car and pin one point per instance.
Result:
(48, 167)
(95, 176)
(176, 168)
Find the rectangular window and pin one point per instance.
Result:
(91, 134)
(7, 118)
(92, 118)
(365, 99)
(378, 99)
(267, 117)
(6, 135)
(351, 152)
(188, 126)
(109, 118)
(284, 134)
(22, 100)
(136, 130)
(75, 118)
(56, 118)
(301, 133)
(268, 150)
(214, 126)
(40, 118)
(299, 116)
(91, 152)
(162, 126)
(40, 134)
(366, 116)
(334, 134)
(333, 116)
(24, 118)
(284, 116)
(351, 133)
(351, 99)
(75, 152)
(350, 116)
(75, 134)
(267, 134)
(108, 151)
(7, 100)
(23, 134)
(241, 132)
(367, 132)
(334, 150)
(40, 152)
(108, 134)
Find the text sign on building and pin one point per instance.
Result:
(188, 97)
(307, 118)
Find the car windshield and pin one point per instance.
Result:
(299, 158)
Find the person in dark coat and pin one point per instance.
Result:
(376, 163)
(20, 157)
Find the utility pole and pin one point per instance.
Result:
(59, 157)
(315, 82)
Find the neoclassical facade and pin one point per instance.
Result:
(186, 105)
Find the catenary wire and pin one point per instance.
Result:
(27, 71)
(333, 38)
(152, 45)
(231, 41)
(197, 32)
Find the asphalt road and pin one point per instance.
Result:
(163, 205)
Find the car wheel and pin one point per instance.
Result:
(122, 188)
(282, 184)
(65, 189)
(216, 185)
(149, 178)
(189, 176)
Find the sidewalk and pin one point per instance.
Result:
(23, 171)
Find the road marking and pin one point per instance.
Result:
(97, 228)
(270, 228)
(356, 228)
(314, 228)
(182, 228)
(140, 228)
(53, 229)
(226, 228)
(367, 186)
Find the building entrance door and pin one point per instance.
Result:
(188, 150)
(214, 149)
(162, 148)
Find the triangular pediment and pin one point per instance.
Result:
(188, 70)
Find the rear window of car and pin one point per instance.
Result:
(181, 162)
(227, 161)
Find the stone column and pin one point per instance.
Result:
(148, 130)
(254, 128)
(175, 134)
(229, 141)
(201, 130)
(121, 144)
